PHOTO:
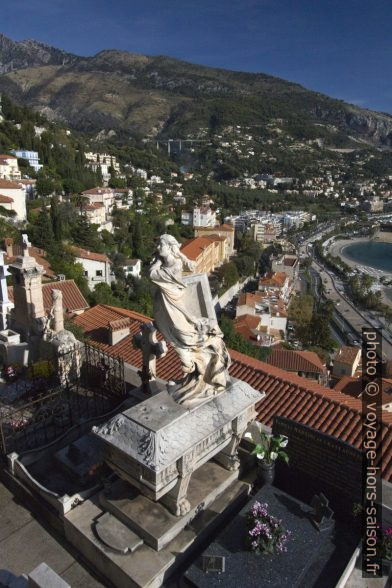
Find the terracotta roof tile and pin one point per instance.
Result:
(73, 299)
(296, 361)
(250, 298)
(84, 254)
(276, 279)
(5, 199)
(195, 247)
(98, 191)
(118, 324)
(347, 354)
(6, 184)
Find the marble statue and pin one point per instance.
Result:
(197, 340)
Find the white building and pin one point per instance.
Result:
(141, 173)
(103, 196)
(96, 266)
(123, 197)
(96, 215)
(204, 217)
(102, 162)
(133, 268)
(31, 156)
(17, 198)
(9, 169)
(186, 217)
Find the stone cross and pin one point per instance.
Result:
(4, 302)
(322, 515)
(151, 348)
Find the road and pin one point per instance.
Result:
(334, 290)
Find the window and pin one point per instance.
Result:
(85, 274)
(98, 273)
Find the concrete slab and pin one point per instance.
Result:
(116, 535)
(145, 568)
(44, 577)
(23, 550)
(151, 520)
(12, 518)
(78, 577)
(26, 543)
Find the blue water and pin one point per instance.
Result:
(372, 253)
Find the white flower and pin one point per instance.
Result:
(274, 455)
(260, 455)
(284, 441)
(248, 435)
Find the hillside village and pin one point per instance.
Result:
(103, 235)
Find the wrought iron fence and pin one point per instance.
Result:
(39, 410)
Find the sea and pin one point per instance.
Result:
(373, 253)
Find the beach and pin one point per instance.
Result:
(337, 249)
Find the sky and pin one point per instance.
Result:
(342, 48)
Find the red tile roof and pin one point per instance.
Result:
(195, 247)
(250, 298)
(5, 199)
(6, 156)
(289, 261)
(276, 279)
(287, 394)
(84, 254)
(347, 354)
(98, 191)
(7, 185)
(352, 386)
(73, 299)
(296, 361)
(93, 206)
(246, 325)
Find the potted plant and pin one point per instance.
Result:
(266, 534)
(268, 448)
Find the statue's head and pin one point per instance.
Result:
(168, 245)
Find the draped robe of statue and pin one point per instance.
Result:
(197, 340)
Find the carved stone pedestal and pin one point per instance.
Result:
(158, 445)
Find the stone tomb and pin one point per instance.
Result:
(158, 447)
(312, 558)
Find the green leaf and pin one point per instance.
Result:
(283, 455)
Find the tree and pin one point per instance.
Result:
(56, 219)
(245, 265)
(85, 234)
(102, 294)
(228, 275)
(45, 185)
(41, 232)
(301, 310)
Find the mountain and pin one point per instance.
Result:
(163, 96)
(24, 54)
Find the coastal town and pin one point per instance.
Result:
(186, 322)
(262, 265)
